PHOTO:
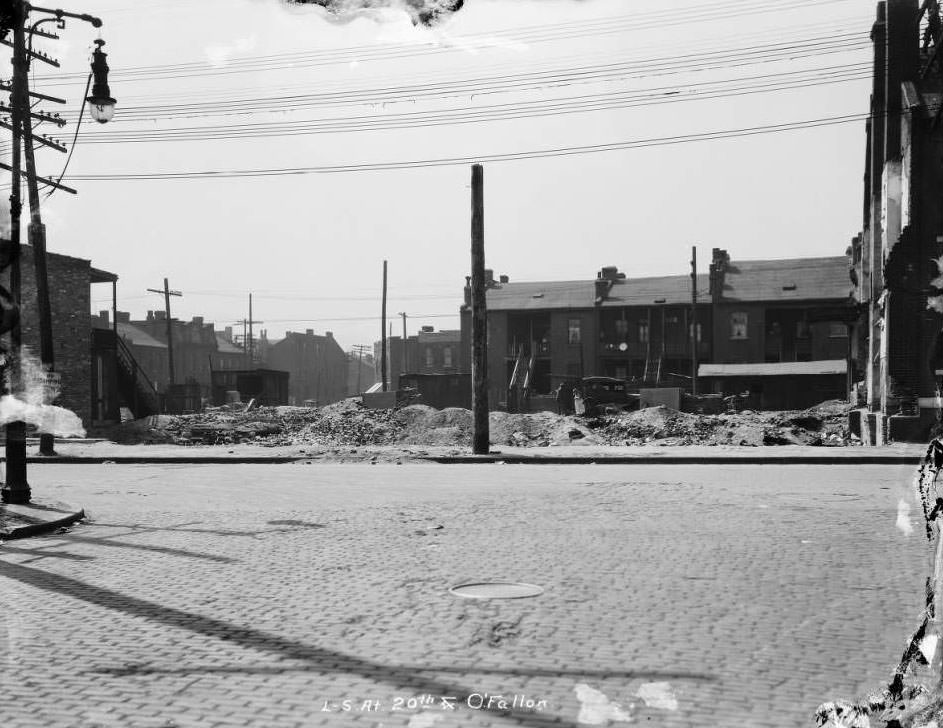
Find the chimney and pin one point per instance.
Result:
(287, 334)
(602, 288)
(427, 329)
(123, 317)
(489, 277)
(610, 273)
(467, 291)
(329, 334)
(720, 260)
(150, 315)
(160, 315)
(104, 316)
(227, 334)
(198, 321)
(504, 279)
(309, 332)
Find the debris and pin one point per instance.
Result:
(347, 424)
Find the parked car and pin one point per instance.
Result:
(607, 394)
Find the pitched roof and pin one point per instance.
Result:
(136, 336)
(794, 279)
(540, 295)
(776, 369)
(647, 291)
(787, 280)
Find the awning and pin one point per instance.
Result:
(777, 369)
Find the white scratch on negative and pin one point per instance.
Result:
(658, 695)
(596, 708)
(903, 517)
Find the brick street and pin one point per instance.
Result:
(267, 595)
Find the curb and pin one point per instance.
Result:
(491, 459)
(34, 529)
(678, 460)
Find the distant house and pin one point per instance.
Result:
(317, 366)
(427, 352)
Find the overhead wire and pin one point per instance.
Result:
(307, 59)
(497, 157)
(500, 112)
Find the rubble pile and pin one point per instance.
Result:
(348, 423)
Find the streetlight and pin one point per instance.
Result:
(16, 489)
(101, 105)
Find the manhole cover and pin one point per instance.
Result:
(496, 590)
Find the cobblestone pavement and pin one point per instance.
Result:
(268, 595)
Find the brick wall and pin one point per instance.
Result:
(69, 294)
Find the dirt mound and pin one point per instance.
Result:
(348, 423)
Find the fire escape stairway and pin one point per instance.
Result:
(137, 391)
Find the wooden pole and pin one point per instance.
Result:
(383, 332)
(404, 344)
(251, 348)
(481, 436)
(170, 333)
(694, 320)
(15, 487)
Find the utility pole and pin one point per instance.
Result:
(403, 370)
(359, 349)
(481, 436)
(15, 487)
(694, 337)
(15, 17)
(167, 293)
(383, 332)
(251, 352)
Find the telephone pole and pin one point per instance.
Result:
(383, 332)
(167, 293)
(694, 336)
(481, 440)
(15, 18)
(404, 359)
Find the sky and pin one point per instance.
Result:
(351, 140)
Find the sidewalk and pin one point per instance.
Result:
(107, 452)
(40, 516)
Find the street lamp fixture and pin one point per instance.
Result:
(101, 105)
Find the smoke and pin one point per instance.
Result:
(421, 12)
(30, 402)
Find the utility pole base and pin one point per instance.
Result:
(16, 494)
(47, 445)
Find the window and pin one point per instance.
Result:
(622, 329)
(837, 330)
(700, 331)
(802, 329)
(643, 332)
(430, 359)
(447, 356)
(739, 321)
(573, 329)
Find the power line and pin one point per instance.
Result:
(497, 112)
(500, 157)
(533, 80)
(595, 27)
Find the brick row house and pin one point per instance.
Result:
(316, 364)
(427, 352)
(780, 314)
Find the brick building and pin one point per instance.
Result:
(427, 352)
(195, 347)
(70, 281)
(901, 238)
(317, 366)
(640, 329)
